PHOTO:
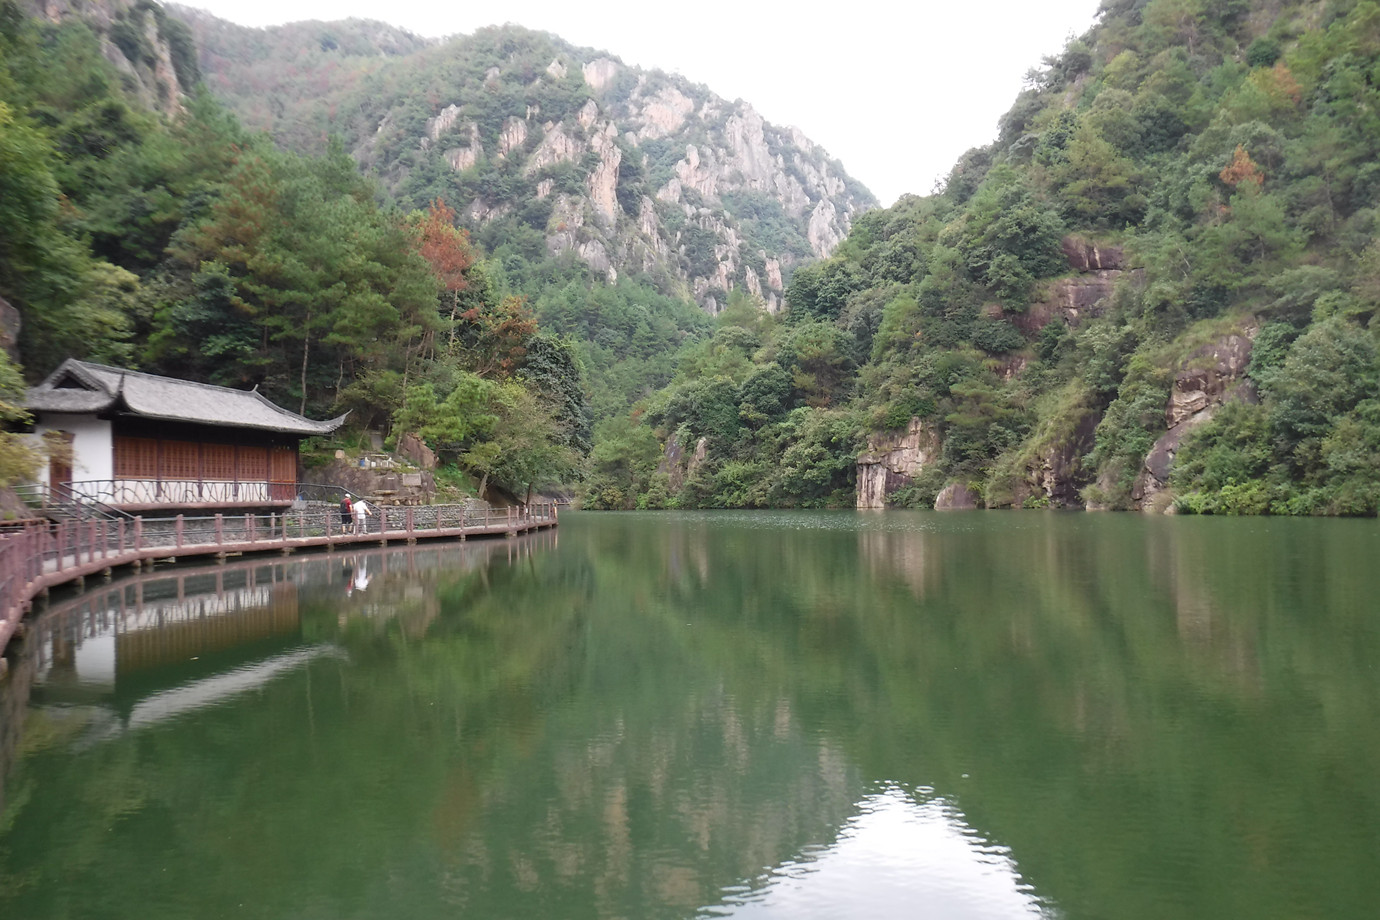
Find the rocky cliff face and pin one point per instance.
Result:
(154, 50)
(1079, 296)
(892, 461)
(1054, 475)
(1209, 377)
(629, 171)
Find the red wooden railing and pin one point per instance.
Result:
(35, 556)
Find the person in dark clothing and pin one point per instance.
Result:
(346, 510)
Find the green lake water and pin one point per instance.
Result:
(746, 715)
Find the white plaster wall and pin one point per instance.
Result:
(93, 446)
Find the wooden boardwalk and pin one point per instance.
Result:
(42, 556)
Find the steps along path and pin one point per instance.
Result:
(37, 556)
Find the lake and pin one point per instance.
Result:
(745, 715)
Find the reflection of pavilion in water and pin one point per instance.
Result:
(148, 648)
(91, 648)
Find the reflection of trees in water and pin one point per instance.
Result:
(453, 758)
(14, 700)
(1118, 688)
(665, 706)
(99, 652)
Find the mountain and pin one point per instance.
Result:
(548, 151)
(1157, 289)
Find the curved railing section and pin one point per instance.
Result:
(36, 555)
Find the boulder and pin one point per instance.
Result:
(415, 450)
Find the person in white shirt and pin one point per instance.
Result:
(362, 512)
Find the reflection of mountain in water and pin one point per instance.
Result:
(733, 714)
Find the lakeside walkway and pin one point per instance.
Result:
(40, 556)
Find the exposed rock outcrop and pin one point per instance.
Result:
(600, 73)
(133, 36)
(893, 460)
(677, 466)
(957, 497)
(382, 486)
(1085, 256)
(1082, 296)
(1055, 476)
(513, 137)
(415, 450)
(603, 182)
(1208, 378)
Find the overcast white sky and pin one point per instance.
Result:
(894, 90)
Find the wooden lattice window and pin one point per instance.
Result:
(253, 464)
(136, 458)
(181, 460)
(218, 462)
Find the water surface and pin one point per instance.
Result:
(716, 715)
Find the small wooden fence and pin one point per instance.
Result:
(38, 556)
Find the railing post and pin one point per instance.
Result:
(220, 528)
(178, 528)
(411, 519)
(120, 536)
(249, 526)
(139, 532)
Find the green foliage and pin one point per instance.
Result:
(18, 458)
(1229, 162)
(465, 414)
(1129, 427)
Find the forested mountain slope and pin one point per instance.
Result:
(548, 151)
(1156, 289)
(149, 230)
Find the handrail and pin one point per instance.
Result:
(174, 492)
(39, 556)
(67, 501)
(321, 492)
(184, 492)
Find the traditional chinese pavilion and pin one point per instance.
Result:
(143, 443)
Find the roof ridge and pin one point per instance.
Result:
(180, 381)
(177, 399)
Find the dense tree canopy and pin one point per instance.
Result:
(1222, 151)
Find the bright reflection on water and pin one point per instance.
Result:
(898, 858)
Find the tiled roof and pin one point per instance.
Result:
(78, 386)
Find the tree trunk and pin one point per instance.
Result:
(306, 346)
(454, 305)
